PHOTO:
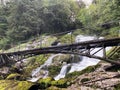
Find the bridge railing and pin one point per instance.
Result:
(25, 45)
(38, 42)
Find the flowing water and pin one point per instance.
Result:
(84, 63)
(81, 64)
(36, 74)
(62, 72)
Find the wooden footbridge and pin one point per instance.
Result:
(81, 48)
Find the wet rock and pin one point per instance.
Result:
(4, 70)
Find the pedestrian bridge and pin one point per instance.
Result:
(82, 48)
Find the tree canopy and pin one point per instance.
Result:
(24, 19)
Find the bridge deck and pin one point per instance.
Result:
(80, 45)
(74, 48)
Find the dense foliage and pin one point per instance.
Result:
(101, 18)
(24, 19)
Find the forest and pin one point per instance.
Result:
(21, 20)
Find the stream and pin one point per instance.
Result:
(83, 62)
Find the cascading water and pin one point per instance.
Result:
(62, 72)
(82, 64)
(36, 73)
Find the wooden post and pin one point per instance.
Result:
(71, 37)
(104, 52)
(88, 51)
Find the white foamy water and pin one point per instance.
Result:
(36, 73)
(85, 62)
(62, 72)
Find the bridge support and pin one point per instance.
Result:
(82, 48)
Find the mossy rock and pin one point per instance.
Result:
(54, 70)
(58, 60)
(48, 82)
(45, 83)
(14, 76)
(14, 85)
(45, 80)
(62, 83)
(34, 63)
(73, 75)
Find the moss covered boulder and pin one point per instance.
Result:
(14, 76)
(45, 83)
(59, 59)
(62, 83)
(14, 85)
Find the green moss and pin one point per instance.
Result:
(85, 79)
(114, 53)
(22, 46)
(53, 70)
(24, 85)
(117, 87)
(14, 85)
(49, 41)
(71, 76)
(58, 60)
(45, 83)
(48, 82)
(13, 76)
(67, 39)
(62, 83)
(34, 62)
(78, 32)
(41, 59)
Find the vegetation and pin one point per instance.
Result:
(85, 79)
(73, 75)
(48, 82)
(67, 39)
(27, 20)
(54, 70)
(13, 76)
(24, 19)
(45, 83)
(62, 83)
(14, 85)
(117, 87)
(101, 18)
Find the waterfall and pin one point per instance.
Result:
(62, 72)
(83, 62)
(76, 65)
(36, 75)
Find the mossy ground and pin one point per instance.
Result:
(49, 83)
(14, 85)
(13, 76)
